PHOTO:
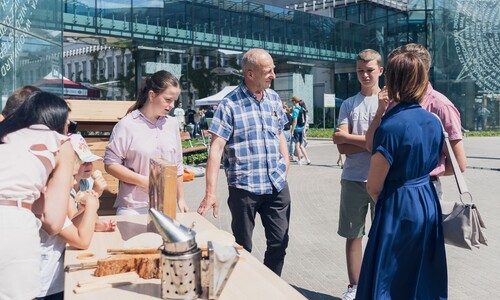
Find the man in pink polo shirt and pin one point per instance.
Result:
(436, 103)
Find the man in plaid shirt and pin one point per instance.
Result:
(248, 129)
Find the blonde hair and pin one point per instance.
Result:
(295, 99)
(368, 55)
(406, 78)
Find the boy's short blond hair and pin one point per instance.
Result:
(295, 99)
(368, 55)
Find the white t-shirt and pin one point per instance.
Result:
(357, 112)
(179, 114)
(52, 263)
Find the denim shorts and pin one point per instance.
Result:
(298, 136)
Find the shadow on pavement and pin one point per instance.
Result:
(484, 157)
(311, 295)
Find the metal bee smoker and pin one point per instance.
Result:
(185, 274)
(180, 258)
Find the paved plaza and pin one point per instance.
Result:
(315, 261)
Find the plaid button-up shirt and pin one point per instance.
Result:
(252, 158)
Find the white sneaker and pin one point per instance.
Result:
(351, 292)
(299, 162)
(308, 162)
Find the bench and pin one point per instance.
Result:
(185, 136)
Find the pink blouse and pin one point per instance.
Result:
(133, 142)
(28, 158)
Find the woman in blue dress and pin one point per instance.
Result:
(405, 256)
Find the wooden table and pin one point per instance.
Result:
(250, 278)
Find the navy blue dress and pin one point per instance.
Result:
(405, 256)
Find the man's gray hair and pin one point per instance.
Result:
(249, 59)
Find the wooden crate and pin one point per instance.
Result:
(97, 115)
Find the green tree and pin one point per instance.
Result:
(201, 78)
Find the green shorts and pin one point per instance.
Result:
(354, 202)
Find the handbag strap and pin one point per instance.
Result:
(459, 178)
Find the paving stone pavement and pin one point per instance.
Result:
(315, 261)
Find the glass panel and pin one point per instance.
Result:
(277, 29)
(293, 37)
(340, 13)
(417, 27)
(30, 44)
(204, 22)
(419, 4)
(353, 13)
(81, 13)
(396, 31)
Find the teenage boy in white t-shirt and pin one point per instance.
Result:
(356, 114)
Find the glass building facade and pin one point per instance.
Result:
(31, 35)
(463, 37)
(113, 44)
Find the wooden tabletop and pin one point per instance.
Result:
(249, 280)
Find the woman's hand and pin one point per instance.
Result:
(383, 101)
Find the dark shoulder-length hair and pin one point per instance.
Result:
(40, 108)
(406, 78)
(303, 105)
(158, 83)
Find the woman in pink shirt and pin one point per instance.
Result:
(145, 132)
(35, 180)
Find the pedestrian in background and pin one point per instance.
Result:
(297, 128)
(248, 129)
(306, 125)
(180, 116)
(286, 130)
(356, 114)
(190, 113)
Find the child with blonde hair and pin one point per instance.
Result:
(77, 231)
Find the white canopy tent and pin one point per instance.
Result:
(215, 99)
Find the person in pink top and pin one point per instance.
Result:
(147, 131)
(436, 103)
(35, 180)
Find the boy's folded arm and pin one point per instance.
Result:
(350, 149)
